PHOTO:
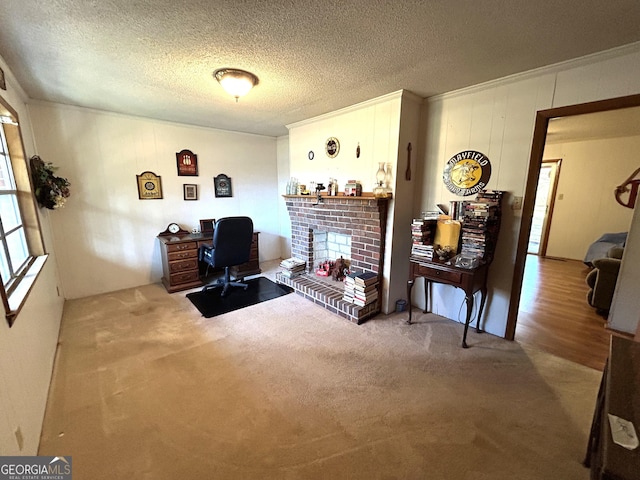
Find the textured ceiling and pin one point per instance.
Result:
(155, 58)
(594, 126)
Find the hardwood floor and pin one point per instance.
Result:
(554, 315)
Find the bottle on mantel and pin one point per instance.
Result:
(333, 187)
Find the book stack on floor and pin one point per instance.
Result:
(422, 233)
(292, 267)
(361, 288)
(481, 225)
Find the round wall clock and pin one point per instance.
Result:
(332, 147)
(467, 173)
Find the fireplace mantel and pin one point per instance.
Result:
(341, 196)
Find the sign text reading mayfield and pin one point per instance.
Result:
(467, 173)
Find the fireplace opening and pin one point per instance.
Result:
(329, 246)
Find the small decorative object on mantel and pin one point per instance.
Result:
(149, 186)
(380, 191)
(467, 173)
(50, 191)
(222, 186)
(353, 188)
(187, 163)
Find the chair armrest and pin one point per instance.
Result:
(607, 265)
(615, 252)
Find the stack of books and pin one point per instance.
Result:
(423, 251)
(292, 267)
(349, 287)
(481, 225)
(361, 288)
(422, 234)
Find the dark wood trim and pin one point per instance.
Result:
(546, 226)
(535, 161)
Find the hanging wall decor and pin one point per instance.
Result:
(332, 147)
(630, 186)
(190, 191)
(187, 163)
(149, 186)
(222, 186)
(50, 191)
(467, 173)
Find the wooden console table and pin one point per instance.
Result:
(180, 265)
(470, 280)
(619, 396)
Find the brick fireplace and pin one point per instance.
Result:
(362, 219)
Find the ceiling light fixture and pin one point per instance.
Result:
(236, 82)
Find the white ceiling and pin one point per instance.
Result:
(155, 58)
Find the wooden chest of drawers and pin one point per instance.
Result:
(180, 266)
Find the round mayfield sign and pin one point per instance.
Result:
(467, 173)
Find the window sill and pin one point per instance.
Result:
(19, 296)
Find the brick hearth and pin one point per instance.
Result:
(363, 219)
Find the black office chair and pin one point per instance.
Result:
(231, 246)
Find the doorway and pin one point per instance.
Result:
(535, 164)
(543, 207)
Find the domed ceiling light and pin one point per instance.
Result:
(236, 82)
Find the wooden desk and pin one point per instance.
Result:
(180, 265)
(619, 395)
(469, 280)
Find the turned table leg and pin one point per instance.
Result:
(469, 300)
(409, 288)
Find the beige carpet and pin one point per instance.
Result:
(146, 388)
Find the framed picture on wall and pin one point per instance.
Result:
(222, 186)
(187, 163)
(149, 186)
(190, 191)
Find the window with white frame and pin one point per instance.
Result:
(22, 254)
(14, 251)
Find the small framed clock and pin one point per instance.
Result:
(173, 229)
(332, 147)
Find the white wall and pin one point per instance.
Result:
(585, 206)
(105, 237)
(373, 125)
(625, 307)
(283, 178)
(27, 349)
(382, 127)
(498, 119)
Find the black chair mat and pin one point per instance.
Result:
(261, 289)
